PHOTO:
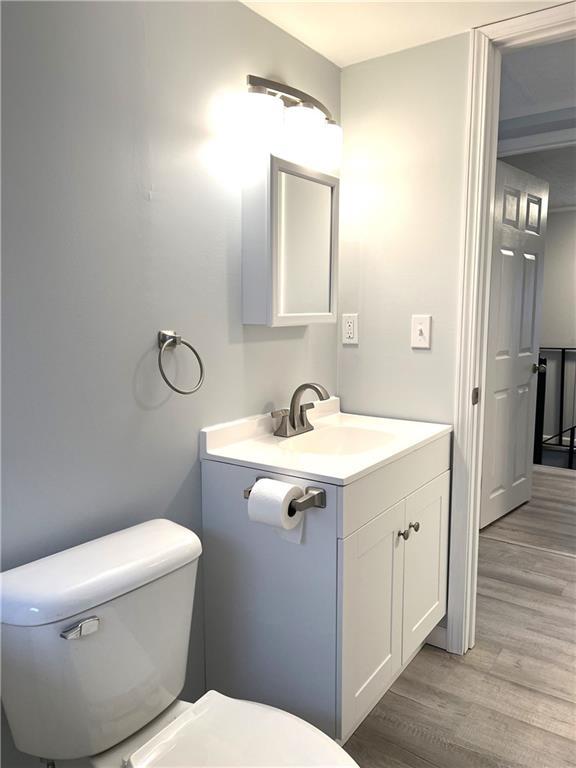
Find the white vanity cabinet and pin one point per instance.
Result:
(322, 628)
(393, 594)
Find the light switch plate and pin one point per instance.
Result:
(349, 329)
(421, 332)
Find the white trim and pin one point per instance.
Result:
(549, 25)
(541, 26)
(478, 234)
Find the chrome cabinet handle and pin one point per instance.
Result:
(415, 526)
(405, 534)
(538, 368)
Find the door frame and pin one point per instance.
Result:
(549, 25)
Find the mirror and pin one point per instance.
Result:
(304, 227)
(304, 244)
(289, 246)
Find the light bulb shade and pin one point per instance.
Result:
(303, 130)
(333, 138)
(262, 122)
(304, 117)
(331, 147)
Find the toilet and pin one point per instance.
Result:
(95, 644)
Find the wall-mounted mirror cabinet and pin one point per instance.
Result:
(289, 243)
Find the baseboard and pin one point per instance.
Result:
(438, 637)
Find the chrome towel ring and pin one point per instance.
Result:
(169, 338)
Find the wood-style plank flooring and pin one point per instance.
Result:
(511, 701)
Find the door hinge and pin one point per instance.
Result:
(475, 395)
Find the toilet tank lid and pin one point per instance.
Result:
(65, 584)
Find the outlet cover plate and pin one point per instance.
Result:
(350, 329)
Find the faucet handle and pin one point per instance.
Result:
(284, 429)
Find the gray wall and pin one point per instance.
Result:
(559, 316)
(403, 211)
(115, 226)
(559, 294)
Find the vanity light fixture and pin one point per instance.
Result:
(290, 96)
(310, 134)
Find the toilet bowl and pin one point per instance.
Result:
(95, 644)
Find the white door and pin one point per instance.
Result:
(425, 562)
(371, 564)
(520, 213)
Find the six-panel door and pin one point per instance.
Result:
(425, 563)
(371, 565)
(520, 211)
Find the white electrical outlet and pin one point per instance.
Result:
(421, 330)
(349, 329)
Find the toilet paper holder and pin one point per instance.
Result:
(313, 497)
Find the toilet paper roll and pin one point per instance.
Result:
(269, 503)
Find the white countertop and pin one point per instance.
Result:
(341, 448)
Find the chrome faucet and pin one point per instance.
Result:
(295, 419)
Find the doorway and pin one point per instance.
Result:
(491, 43)
(536, 159)
(527, 544)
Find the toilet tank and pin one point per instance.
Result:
(95, 638)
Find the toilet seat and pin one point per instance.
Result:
(220, 731)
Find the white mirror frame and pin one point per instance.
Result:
(260, 252)
(278, 166)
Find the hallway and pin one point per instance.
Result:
(511, 701)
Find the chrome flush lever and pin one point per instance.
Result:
(85, 627)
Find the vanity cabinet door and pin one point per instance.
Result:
(425, 562)
(371, 566)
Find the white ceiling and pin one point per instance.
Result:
(347, 33)
(556, 166)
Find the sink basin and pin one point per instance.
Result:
(338, 441)
(341, 448)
